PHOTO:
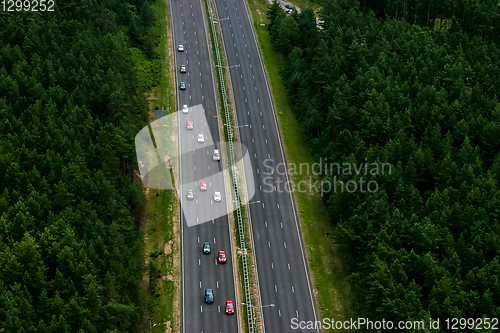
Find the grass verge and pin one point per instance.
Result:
(162, 96)
(327, 263)
(161, 281)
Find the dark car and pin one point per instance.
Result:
(209, 296)
(206, 248)
(289, 6)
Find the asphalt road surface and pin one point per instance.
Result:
(200, 271)
(281, 265)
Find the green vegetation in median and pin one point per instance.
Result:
(217, 76)
(239, 280)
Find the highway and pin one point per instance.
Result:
(282, 270)
(200, 271)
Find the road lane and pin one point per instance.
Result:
(282, 270)
(200, 271)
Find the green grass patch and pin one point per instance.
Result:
(303, 4)
(159, 290)
(162, 94)
(160, 269)
(327, 263)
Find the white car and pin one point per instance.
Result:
(185, 108)
(216, 156)
(217, 196)
(181, 48)
(201, 138)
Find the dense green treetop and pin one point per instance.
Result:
(70, 107)
(373, 88)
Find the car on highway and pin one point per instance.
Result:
(206, 248)
(181, 48)
(190, 195)
(209, 296)
(203, 186)
(288, 11)
(201, 138)
(288, 6)
(222, 257)
(216, 155)
(189, 125)
(183, 68)
(185, 108)
(217, 196)
(229, 307)
(182, 86)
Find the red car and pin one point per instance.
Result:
(203, 186)
(222, 257)
(229, 307)
(189, 125)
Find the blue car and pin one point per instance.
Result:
(183, 86)
(289, 6)
(206, 248)
(209, 296)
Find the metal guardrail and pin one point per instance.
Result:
(241, 226)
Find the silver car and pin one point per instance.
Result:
(217, 196)
(190, 195)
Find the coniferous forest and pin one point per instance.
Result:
(414, 84)
(70, 106)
